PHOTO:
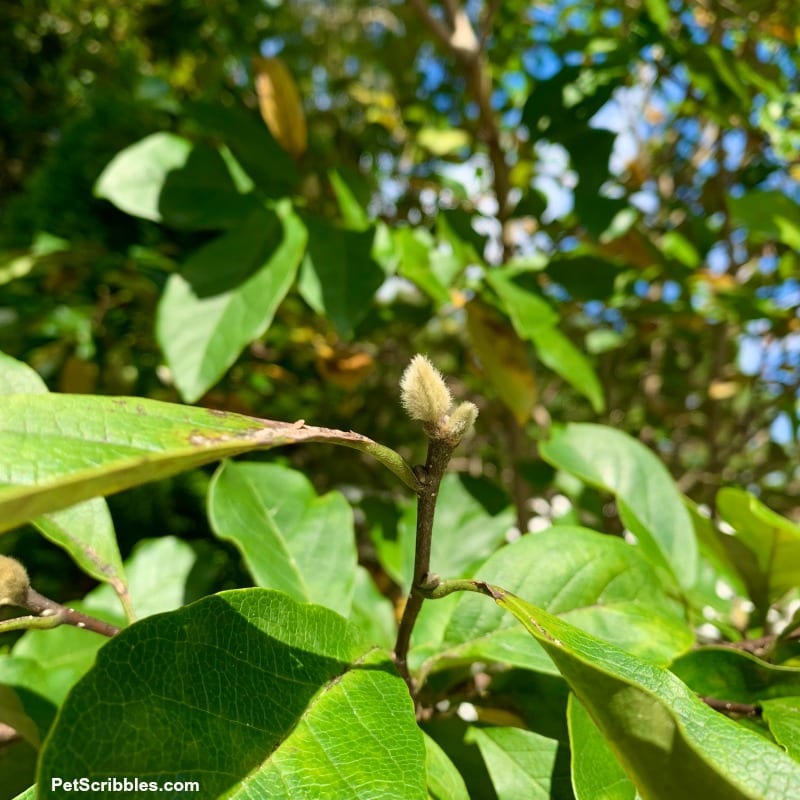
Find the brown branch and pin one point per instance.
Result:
(439, 453)
(729, 707)
(45, 607)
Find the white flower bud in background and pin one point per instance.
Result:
(461, 421)
(14, 582)
(423, 391)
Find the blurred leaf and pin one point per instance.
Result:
(287, 692)
(558, 353)
(670, 743)
(523, 765)
(117, 442)
(226, 296)
(339, 276)
(249, 141)
(765, 548)
(165, 178)
(584, 277)
(649, 501)
(782, 715)
(595, 771)
(443, 141)
(280, 104)
(444, 780)
(13, 714)
(769, 215)
(352, 208)
(728, 674)
(504, 359)
(414, 246)
(290, 538)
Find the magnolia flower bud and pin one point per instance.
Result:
(461, 421)
(14, 583)
(423, 391)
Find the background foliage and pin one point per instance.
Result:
(592, 219)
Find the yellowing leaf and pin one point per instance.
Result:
(280, 104)
(504, 359)
(442, 142)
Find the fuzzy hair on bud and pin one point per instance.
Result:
(423, 391)
(462, 421)
(14, 583)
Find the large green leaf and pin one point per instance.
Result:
(56, 450)
(85, 531)
(248, 693)
(670, 743)
(765, 548)
(649, 502)
(523, 765)
(597, 582)
(595, 771)
(166, 178)
(291, 539)
(340, 276)
(227, 295)
(727, 674)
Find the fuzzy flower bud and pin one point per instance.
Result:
(14, 583)
(423, 391)
(461, 421)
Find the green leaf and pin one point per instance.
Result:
(85, 531)
(444, 780)
(372, 613)
(414, 247)
(351, 207)
(535, 320)
(28, 794)
(504, 358)
(56, 450)
(765, 549)
(670, 743)
(769, 215)
(226, 296)
(585, 277)
(727, 674)
(290, 538)
(558, 353)
(599, 583)
(523, 765)
(251, 143)
(339, 277)
(134, 178)
(46, 664)
(165, 178)
(649, 501)
(782, 715)
(13, 714)
(595, 771)
(285, 692)
(442, 142)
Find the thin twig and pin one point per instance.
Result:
(439, 453)
(45, 608)
(730, 707)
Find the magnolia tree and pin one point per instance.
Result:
(228, 230)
